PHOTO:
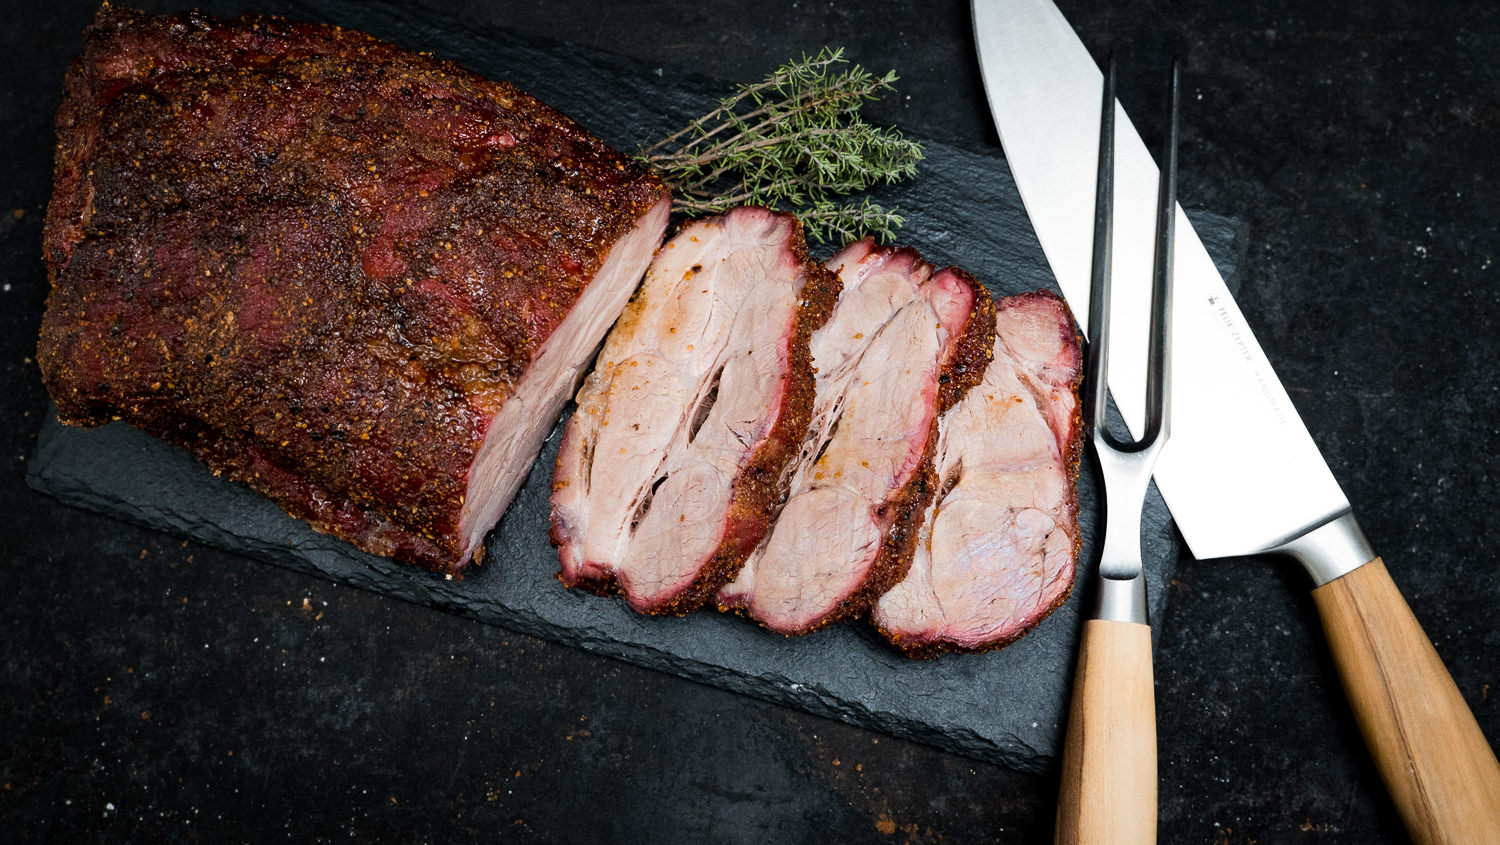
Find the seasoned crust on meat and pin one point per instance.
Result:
(669, 471)
(998, 547)
(359, 279)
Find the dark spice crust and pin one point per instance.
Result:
(972, 351)
(928, 649)
(894, 559)
(755, 491)
(968, 354)
(1073, 454)
(318, 262)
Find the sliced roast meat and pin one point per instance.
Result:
(998, 546)
(361, 280)
(703, 391)
(902, 345)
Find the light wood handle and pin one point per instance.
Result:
(1108, 790)
(1434, 759)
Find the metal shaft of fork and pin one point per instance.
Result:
(1121, 591)
(1126, 466)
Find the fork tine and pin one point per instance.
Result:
(1158, 378)
(1159, 358)
(1096, 367)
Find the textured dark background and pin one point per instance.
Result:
(158, 689)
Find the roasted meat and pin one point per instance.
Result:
(361, 280)
(671, 465)
(998, 545)
(902, 345)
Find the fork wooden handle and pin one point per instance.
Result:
(1108, 792)
(1434, 759)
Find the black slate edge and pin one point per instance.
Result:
(1005, 707)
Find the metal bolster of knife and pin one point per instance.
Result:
(1331, 549)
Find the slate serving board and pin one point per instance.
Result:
(1006, 707)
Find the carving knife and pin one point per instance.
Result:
(1241, 475)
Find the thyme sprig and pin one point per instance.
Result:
(795, 140)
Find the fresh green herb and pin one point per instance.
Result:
(795, 140)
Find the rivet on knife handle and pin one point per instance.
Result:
(1109, 780)
(1440, 771)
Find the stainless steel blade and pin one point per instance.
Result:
(1241, 473)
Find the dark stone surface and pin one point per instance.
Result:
(158, 689)
(1005, 707)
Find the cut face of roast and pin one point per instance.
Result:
(997, 547)
(670, 467)
(360, 280)
(901, 345)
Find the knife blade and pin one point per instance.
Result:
(1241, 474)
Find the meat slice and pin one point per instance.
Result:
(903, 344)
(703, 391)
(361, 280)
(998, 546)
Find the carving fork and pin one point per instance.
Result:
(1109, 780)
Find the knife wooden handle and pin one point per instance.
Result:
(1108, 791)
(1429, 750)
